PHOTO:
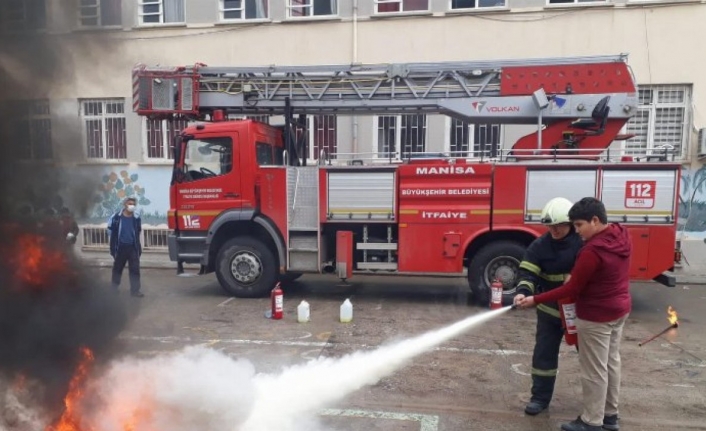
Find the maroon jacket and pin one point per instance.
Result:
(600, 279)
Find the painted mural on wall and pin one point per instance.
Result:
(109, 186)
(114, 188)
(692, 202)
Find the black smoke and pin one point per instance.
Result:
(51, 305)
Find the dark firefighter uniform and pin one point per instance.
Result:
(545, 265)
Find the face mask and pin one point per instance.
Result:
(131, 208)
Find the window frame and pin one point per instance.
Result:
(104, 130)
(401, 10)
(379, 154)
(24, 24)
(290, 7)
(222, 12)
(652, 107)
(471, 153)
(166, 137)
(476, 7)
(28, 117)
(312, 136)
(98, 5)
(141, 14)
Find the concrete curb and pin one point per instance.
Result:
(691, 279)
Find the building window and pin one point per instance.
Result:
(476, 4)
(30, 129)
(161, 11)
(386, 6)
(574, 1)
(160, 136)
(401, 136)
(322, 136)
(662, 120)
(231, 10)
(299, 8)
(473, 140)
(104, 127)
(98, 13)
(19, 15)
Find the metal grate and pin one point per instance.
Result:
(105, 129)
(95, 237)
(399, 136)
(163, 94)
(155, 239)
(187, 94)
(324, 136)
(663, 120)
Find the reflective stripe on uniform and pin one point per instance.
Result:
(553, 277)
(544, 373)
(549, 310)
(529, 266)
(529, 285)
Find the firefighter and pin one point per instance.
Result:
(545, 265)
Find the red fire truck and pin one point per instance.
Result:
(247, 205)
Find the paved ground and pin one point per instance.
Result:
(479, 380)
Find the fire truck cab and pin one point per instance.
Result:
(245, 204)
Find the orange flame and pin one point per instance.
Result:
(70, 419)
(672, 315)
(35, 262)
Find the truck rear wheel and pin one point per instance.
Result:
(499, 260)
(246, 268)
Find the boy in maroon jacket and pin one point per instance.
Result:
(600, 285)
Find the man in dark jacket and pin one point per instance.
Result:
(124, 228)
(600, 284)
(546, 263)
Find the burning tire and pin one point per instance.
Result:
(246, 268)
(499, 260)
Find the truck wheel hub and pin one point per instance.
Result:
(504, 268)
(246, 267)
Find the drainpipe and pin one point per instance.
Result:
(354, 148)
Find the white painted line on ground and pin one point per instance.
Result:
(224, 303)
(189, 340)
(516, 369)
(677, 363)
(426, 422)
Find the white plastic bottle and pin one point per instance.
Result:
(346, 311)
(303, 312)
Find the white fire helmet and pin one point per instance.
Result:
(556, 211)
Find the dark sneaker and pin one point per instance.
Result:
(580, 425)
(535, 407)
(611, 423)
(137, 294)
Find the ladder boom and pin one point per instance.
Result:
(483, 91)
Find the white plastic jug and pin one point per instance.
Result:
(346, 311)
(303, 312)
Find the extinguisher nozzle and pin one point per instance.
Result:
(513, 307)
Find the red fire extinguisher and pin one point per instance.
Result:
(567, 309)
(496, 294)
(277, 299)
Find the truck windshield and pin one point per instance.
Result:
(208, 157)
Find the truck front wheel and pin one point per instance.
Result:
(499, 260)
(246, 268)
